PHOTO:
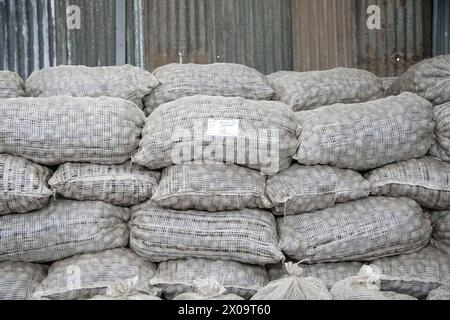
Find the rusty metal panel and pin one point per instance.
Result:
(257, 33)
(27, 35)
(323, 34)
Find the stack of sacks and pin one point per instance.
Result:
(214, 136)
(79, 119)
(11, 85)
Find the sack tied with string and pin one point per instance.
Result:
(218, 79)
(301, 189)
(62, 229)
(367, 135)
(255, 134)
(314, 89)
(361, 230)
(56, 130)
(440, 221)
(23, 185)
(123, 185)
(211, 187)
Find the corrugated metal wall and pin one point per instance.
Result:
(257, 33)
(441, 27)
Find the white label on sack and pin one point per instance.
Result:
(223, 128)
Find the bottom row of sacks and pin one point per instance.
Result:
(119, 274)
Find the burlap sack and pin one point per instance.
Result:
(429, 78)
(87, 275)
(302, 189)
(329, 273)
(218, 79)
(211, 187)
(367, 135)
(415, 274)
(125, 82)
(441, 146)
(256, 134)
(364, 286)
(441, 293)
(56, 130)
(11, 85)
(294, 287)
(440, 221)
(247, 236)
(122, 185)
(425, 180)
(207, 289)
(177, 276)
(62, 229)
(23, 185)
(313, 89)
(18, 280)
(362, 230)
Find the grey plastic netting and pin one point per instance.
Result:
(425, 180)
(23, 185)
(211, 187)
(429, 78)
(415, 274)
(18, 280)
(62, 229)
(122, 185)
(295, 286)
(126, 82)
(441, 293)
(440, 221)
(364, 286)
(302, 189)
(247, 236)
(64, 129)
(367, 135)
(257, 134)
(87, 275)
(177, 276)
(218, 79)
(11, 85)
(207, 289)
(441, 146)
(329, 273)
(362, 230)
(313, 89)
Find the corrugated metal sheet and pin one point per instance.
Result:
(257, 33)
(323, 36)
(441, 26)
(27, 35)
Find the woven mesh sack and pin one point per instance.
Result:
(177, 276)
(247, 236)
(87, 275)
(207, 289)
(425, 180)
(122, 185)
(364, 286)
(129, 297)
(23, 185)
(18, 280)
(294, 287)
(218, 79)
(256, 134)
(125, 82)
(368, 135)
(441, 146)
(440, 221)
(387, 83)
(362, 230)
(62, 229)
(302, 189)
(329, 273)
(211, 187)
(310, 90)
(429, 78)
(441, 293)
(11, 85)
(63, 129)
(415, 274)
